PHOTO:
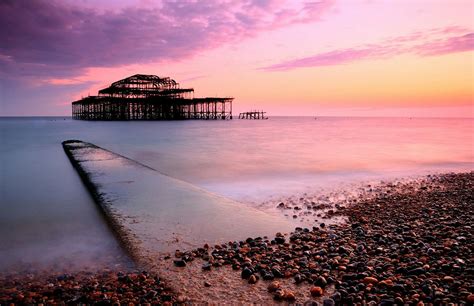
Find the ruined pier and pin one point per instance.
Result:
(149, 97)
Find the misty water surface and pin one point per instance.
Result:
(47, 216)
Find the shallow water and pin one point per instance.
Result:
(252, 160)
(46, 213)
(47, 218)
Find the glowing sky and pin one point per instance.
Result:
(391, 58)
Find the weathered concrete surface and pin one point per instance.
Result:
(154, 213)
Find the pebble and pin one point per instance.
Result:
(321, 281)
(279, 294)
(316, 291)
(253, 279)
(180, 263)
(289, 295)
(206, 266)
(448, 279)
(274, 286)
(328, 302)
(370, 280)
(246, 273)
(470, 298)
(181, 299)
(280, 240)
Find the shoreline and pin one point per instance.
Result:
(388, 252)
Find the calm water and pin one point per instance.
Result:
(46, 214)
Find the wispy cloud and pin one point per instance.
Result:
(445, 46)
(55, 39)
(194, 78)
(429, 43)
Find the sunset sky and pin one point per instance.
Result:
(346, 58)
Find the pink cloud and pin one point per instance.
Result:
(335, 57)
(445, 46)
(56, 39)
(418, 43)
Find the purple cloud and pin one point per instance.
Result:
(389, 48)
(56, 39)
(445, 46)
(336, 57)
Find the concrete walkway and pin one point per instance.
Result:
(154, 213)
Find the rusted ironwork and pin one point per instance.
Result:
(149, 97)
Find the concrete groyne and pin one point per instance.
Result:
(154, 214)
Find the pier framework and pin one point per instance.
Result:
(149, 97)
(253, 115)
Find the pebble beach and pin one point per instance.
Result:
(405, 243)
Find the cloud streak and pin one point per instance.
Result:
(47, 38)
(421, 44)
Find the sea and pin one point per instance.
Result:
(48, 220)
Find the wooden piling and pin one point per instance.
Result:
(253, 115)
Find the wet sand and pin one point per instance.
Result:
(402, 242)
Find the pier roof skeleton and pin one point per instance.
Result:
(142, 85)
